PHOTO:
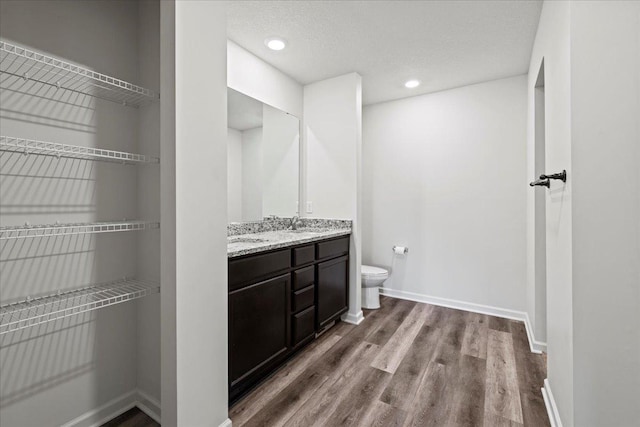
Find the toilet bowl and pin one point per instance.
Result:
(372, 279)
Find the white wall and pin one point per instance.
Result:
(148, 310)
(250, 75)
(280, 160)
(252, 147)
(331, 153)
(234, 175)
(194, 213)
(591, 52)
(53, 373)
(444, 174)
(330, 129)
(552, 45)
(605, 105)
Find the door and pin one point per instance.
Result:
(553, 247)
(332, 283)
(540, 215)
(258, 326)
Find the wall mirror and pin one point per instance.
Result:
(262, 160)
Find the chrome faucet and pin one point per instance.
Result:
(294, 222)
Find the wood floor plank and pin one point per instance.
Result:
(324, 401)
(390, 325)
(449, 348)
(534, 411)
(474, 341)
(499, 324)
(407, 377)
(362, 395)
(340, 329)
(502, 394)
(383, 415)
(531, 371)
(520, 338)
(493, 420)
(289, 400)
(397, 346)
(430, 405)
(530, 366)
(375, 319)
(467, 406)
(454, 329)
(246, 408)
(132, 418)
(438, 316)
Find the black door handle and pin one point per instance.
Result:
(562, 176)
(543, 182)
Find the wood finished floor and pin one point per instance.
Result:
(407, 364)
(132, 418)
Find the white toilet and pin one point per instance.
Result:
(372, 279)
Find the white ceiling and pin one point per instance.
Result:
(445, 44)
(243, 112)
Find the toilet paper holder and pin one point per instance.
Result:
(402, 248)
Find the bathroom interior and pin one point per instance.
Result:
(269, 213)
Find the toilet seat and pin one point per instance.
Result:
(370, 271)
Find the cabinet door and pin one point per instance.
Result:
(303, 327)
(259, 326)
(332, 285)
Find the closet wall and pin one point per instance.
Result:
(81, 368)
(148, 255)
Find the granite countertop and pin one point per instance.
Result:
(251, 243)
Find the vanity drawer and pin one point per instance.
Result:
(302, 299)
(333, 248)
(249, 270)
(304, 255)
(303, 277)
(303, 325)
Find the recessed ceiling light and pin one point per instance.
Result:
(275, 43)
(412, 83)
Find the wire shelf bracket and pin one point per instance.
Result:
(29, 146)
(36, 311)
(21, 64)
(30, 231)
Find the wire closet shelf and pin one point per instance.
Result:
(21, 65)
(29, 146)
(30, 231)
(36, 311)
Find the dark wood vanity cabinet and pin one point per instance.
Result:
(278, 302)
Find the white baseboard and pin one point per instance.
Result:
(106, 412)
(535, 346)
(118, 406)
(149, 405)
(354, 319)
(550, 404)
(226, 423)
